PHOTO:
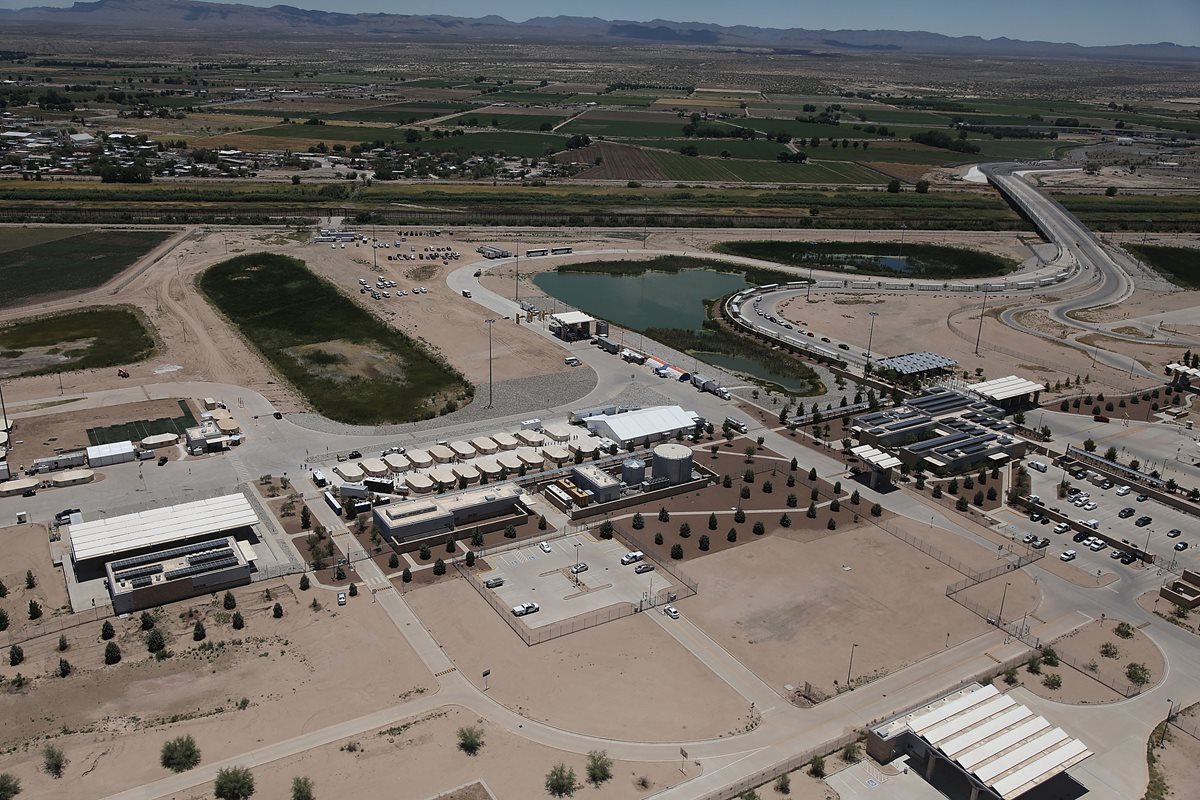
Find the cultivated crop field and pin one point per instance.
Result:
(350, 366)
(87, 339)
(515, 122)
(42, 261)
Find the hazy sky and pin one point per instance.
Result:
(1088, 22)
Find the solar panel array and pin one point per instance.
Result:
(138, 572)
(212, 555)
(142, 583)
(912, 363)
(166, 555)
(199, 569)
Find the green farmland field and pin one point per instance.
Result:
(90, 338)
(685, 168)
(655, 126)
(329, 133)
(397, 113)
(509, 122)
(40, 261)
(1181, 265)
(350, 366)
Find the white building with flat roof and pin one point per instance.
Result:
(644, 425)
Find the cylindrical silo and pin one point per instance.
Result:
(633, 472)
(673, 462)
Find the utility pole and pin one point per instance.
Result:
(517, 281)
(490, 323)
(808, 294)
(850, 668)
(871, 335)
(1003, 596)
(982, 310)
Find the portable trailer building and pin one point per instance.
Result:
(104, 455)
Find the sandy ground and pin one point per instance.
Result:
(423, 761)
(27, 548)
(50, 432)
(1179, 760)
(790, 631)
(111, 721)
(572, 682)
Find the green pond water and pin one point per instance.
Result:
(658, 300)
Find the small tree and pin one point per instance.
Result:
(30, 579)
(1138, 674)
(439, 567)
(739, 516)
(1050, 657)
(685, 530)
(599, 767)
(560, 781)
(510, 532)
(277, 611)
(794, 465)
(425, 553)
(978, 498)
(855, 498)
(812, 474)
(732, 535)
(961, 504)
(233, 783)
(16, 655)
(198, 632)
(35, 609)
(876, 510)
(1034, 665)
(450, 544)
(783, 784)
(180, 754)
(470, 739)
(852, 753)
(10, 786)
(147, 621)
(304, 583)
(469, 559)
(658, 538)
(664, 515)
(677, 551)
(238, 621)
(703, 543)
(53, 760)
(606, 529)
(302, 788)
(63, 645)
(1010, 676)
(816, 767)
(3, 593)
(305, 518)
(834, 505)
(406, 576)
(712, 521)
(785, 521)
(638, 521)
(155, 641)
(1052, 681)
(112, 653)
(229, 602)
(393, 561)
(744, 493)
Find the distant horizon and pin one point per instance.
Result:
(1090, 23)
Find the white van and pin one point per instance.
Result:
(572, 361)
(1038, 465)
(632, 557)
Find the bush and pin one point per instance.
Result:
(745, 493)
(852, 753)
(638, 521)
(1138, 674)
(1124, 630)
(767, 487)
(937, 491)
(855, 498)
(1110, 650)
(739, 516)
(439, 567)
(53, 760)
(758, 528)
(1034, 665)
(277, 611)
(180, 754)
(155, 641)
(677, 551)
(470, 739)
(1050, 657)
(783, 784)
(785, 521)
(704, 543)
(238, 621)
(510, 532)
(3, 593)
(198, 632)
(961, 504)
(816, 768)
(812, 474)
(15, 655)
(393, 561)
(685, 530)
(147, 621)
(876, 510)
(658, 538)
(469, 559)
(406, 576)
(230, 602)
(560, 781)
(978, 498)
(233, 783)
(302, 788)
(62, 643)
(748, 476)
(664, 515)
(112, 653)
(791, 501)
(304, 584)
(1052, 681)
(1010, 676)
(732, 535)
(599, 767)
(712, 522)
(832, 524)
(835, 505)
(10, 787)
(425, 553)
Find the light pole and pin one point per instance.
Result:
(871, 335)
(517, 281)
(850, 668)
(808, 294)
(490, 323)
(577, 562)
(1167, 722)
(982, 310)
(1003, 596)
(903, 228)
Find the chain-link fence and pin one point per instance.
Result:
(53, 625)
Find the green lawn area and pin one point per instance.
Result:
(509, 122)
(654, 126)
(1180, 265)
(139, 429)
(90, 338)
(40, 261)
(350, 366)
(925, 260)
(612, 99)
(397, 113)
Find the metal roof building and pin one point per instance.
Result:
(104, 538)
(999, 745)
(1005, 388)
(915, 363)
(647, 424)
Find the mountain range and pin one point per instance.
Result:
(197, 19)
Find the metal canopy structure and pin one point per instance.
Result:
(645, 423)
(1006, 388)
(875, 457)
(915, 363)
(158, 526)
(572, 318)
(998, 742)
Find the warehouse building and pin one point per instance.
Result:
(980, 743)
(645, 425)
(96, 543)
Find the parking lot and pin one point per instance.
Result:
(1107, 512)
(533, 575)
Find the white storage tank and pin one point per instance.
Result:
(673, 462)
(633, 472)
